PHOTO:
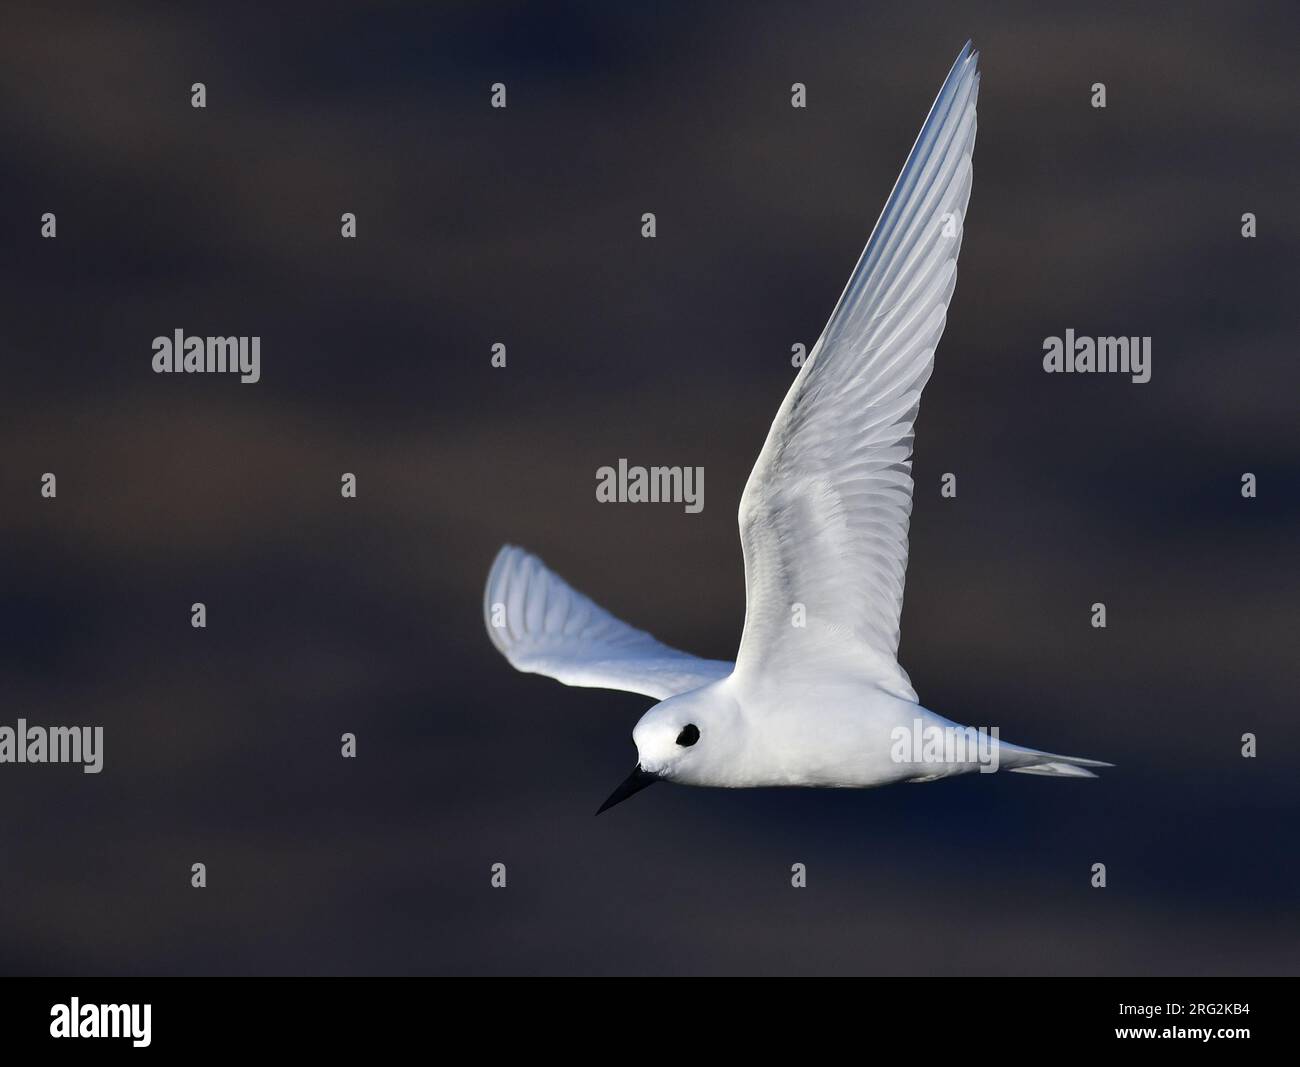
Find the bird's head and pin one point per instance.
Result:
(677, 741)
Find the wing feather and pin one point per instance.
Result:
(544, 626)
(824, 516)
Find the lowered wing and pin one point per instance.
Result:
(543, 626)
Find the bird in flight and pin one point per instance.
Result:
(823, 526)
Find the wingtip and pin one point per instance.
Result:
(493, 588)
(504, 554)
(966, 65)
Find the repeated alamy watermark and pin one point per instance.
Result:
(1074, 354)
(179, 354)
(651, 485)
(53, 744)
(931, 743)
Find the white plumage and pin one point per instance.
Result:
(552, 629)
(823, 524)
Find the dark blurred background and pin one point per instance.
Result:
(523, 226)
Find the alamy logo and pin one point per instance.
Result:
(1101, 355)
(636, 485)
(179, 354)
(53, 744)
(922, 743)
(75, 1019)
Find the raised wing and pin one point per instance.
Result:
(543, 626)
(824, 516)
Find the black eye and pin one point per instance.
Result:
(689, 735)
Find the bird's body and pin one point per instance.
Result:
(816, 696)
(846, 733)
(834, 734)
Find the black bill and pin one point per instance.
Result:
(634, 783)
